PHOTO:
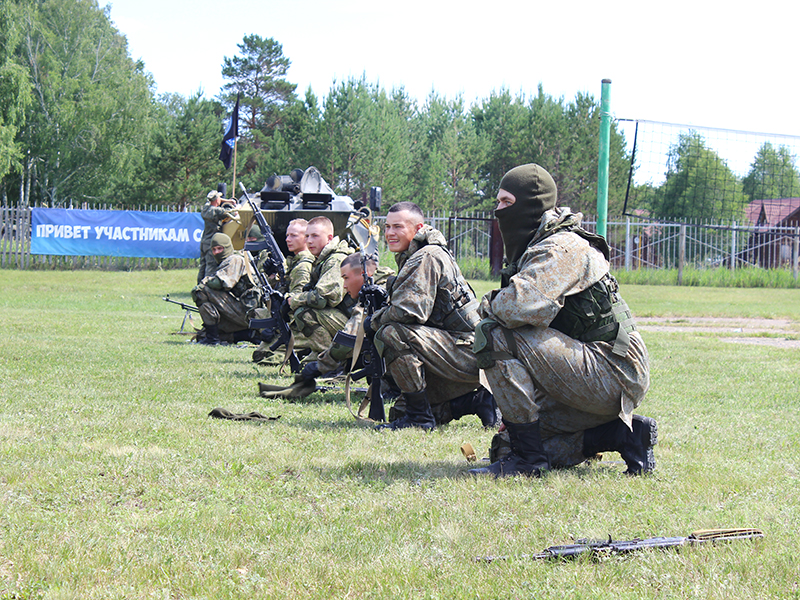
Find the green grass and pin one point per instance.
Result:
(114, 483)
(747, 277)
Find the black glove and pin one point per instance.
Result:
(310, 371)
(286, 310)
(373, 295)
(368, 327)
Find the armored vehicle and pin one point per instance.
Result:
(299, 195)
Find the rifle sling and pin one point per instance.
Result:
(359, 342)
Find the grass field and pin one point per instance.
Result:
(114, 482)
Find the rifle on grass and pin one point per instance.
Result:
(187, 307)
(598, 548)
(275, 326)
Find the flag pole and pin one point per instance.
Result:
(235, 143)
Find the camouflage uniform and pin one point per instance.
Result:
(298, 272)
(213, 217)
(318, 310)
(568, 385)
(334, 355)
(426, 332)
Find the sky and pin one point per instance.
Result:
(701, 63)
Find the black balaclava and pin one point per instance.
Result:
(220, 239)
(535, 192)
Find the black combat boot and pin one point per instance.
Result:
(212, 336)
(418, 414)
(527, 455)
(480, 403)
(636, 447)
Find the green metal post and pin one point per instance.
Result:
(602, 162)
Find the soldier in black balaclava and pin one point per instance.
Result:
(557, 343)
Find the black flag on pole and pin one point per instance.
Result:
(231, 133)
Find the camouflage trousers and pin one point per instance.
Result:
(424, 358)
(568, 385)
(315, 328)
(223, 309)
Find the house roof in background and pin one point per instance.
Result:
(772, 212)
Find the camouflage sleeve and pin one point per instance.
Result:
(230, 271)
(329, 290)
(561, 265)
(299, 277)
(413, 291)
(382, 275)
(213, 213)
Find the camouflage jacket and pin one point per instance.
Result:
(298, 272)
(213, 217)
(556, 264)
(325, 289)
(233, 275)
(429, 288)
(335, 354)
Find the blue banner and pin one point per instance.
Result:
(68, 232)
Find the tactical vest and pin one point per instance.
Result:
(597, 314)
(455, 307)
(347, 305)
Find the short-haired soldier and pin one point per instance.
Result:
(425, 333)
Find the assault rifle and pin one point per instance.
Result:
(275, 326)
(371, 298)
(187, 307)
(598, 548)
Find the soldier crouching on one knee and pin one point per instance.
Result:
(425, 334)
(335, 357)
(226, 298)
(557, 342)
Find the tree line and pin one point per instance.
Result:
(80, 122)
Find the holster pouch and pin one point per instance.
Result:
(483, 346)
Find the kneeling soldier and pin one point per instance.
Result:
(558, 344)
